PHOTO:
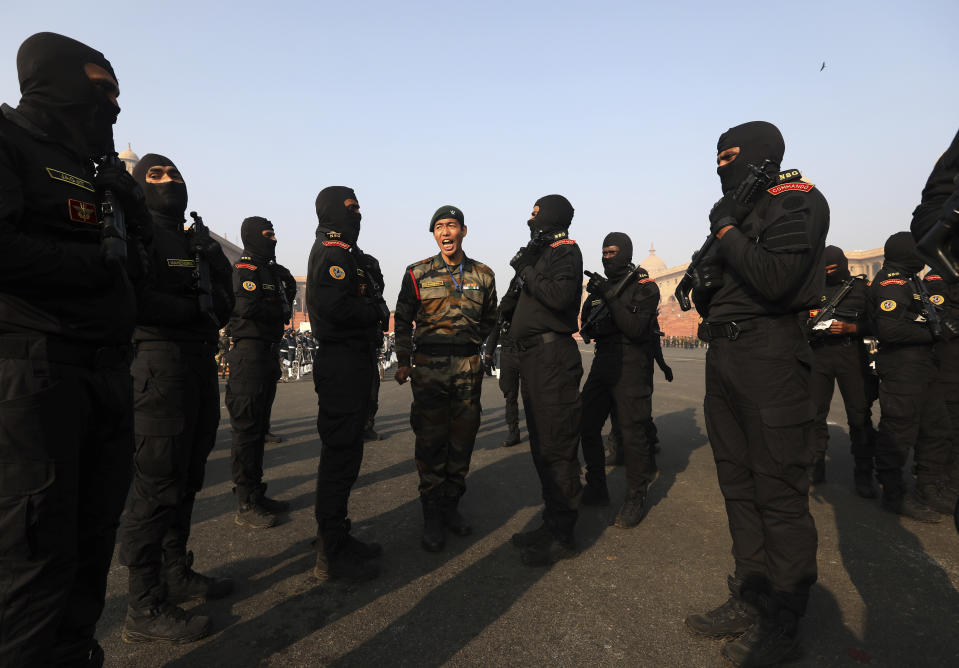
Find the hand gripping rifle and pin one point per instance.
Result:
(201, 269)
(828, 312)
(929, 311)
(939, 246)
(600, 313)
(757, 180)
(113, 227)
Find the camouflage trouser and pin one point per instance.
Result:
(445, 417)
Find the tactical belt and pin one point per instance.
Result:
(61, 351)
(835, 340)
(448, 349)
(533, 341)
(710, 331)
(192, 348)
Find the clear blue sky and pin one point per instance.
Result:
(488, 106)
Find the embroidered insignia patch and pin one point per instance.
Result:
(646, 280)
(783, 187)
(813, 312)
(338, 244)
(180, 262)
(82, 212)
(438, 283)
(332, 234)
(337, 272)
(58, 175)
(893, 281)
(249, 286)
(267, 286)
(888, 305)
(937, 299)
(244, 265)
(562, 242)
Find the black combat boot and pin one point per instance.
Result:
(336, 560)
(863, 477)
(434, 533)
(452, 519)
(252, 514)
(271, 505)
(936, 495)
(817, 474)
(732, 618)
(184, 584)
(272, 438)
(164, 622)
(770, 641)
(907, 505)
(595, 492)
(511, 439)
(549, 551)
(529, 538)
(632, 511)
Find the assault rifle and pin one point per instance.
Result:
(201, 269)
(929, 311)
(829, 312)
(113, 226)
(600, 313)
(757, 180)
(939, 247)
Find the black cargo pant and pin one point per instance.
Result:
(550, 372)
(374, 398)
(509, 386)
(341, 377)
(249, 399)
(839, 359)
(948, 381)
(66, 443)
(914, 415)
(619, 377)
(176, 402)
(759, 418)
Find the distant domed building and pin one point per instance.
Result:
(129, 158)
(652, 263)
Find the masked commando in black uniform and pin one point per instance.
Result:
(840, 357)
(621, 375)
(758, 408)
(913, 409)
(177, 412)
(264, 292)
(348, 325)
(945, 296)
(66, 316)
(551, 268)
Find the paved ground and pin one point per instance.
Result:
(887, 591)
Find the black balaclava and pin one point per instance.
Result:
(555, 214)
(757, 141)
(900, 252)
(834, 255)
(57, 95)
(251, 232)
(166, 199)
(334, 216)
(615, 267)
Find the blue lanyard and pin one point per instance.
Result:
(458, 286)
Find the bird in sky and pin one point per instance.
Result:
(823, 66)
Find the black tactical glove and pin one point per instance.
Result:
(384, 315)
(371, 266)
(528, 254)
(113, 175)
(201, 242)
(668, 372)
(708, 275)
(727, 211)
(596, 284)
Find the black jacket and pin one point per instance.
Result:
(631, 317)
(264, 292)
(53, 281)
(549, 300)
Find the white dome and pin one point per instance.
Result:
(652, 262)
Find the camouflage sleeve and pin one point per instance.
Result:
(407, 305)
(488, 319)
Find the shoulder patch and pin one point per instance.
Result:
(338, 244)
(933, 277)
(244, 265)
(563, 242)
(938, 300)
(59, 175)
(82, 212)
(249, 286)
(646, 280)
(788, 175)
(893, 281)
(337, 272)
(888, 305)
(785, 187)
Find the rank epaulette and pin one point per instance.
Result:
(244, 265)
(893, 281)
(933, 277)
(338, 244)
(563, 242)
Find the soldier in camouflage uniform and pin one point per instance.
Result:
(452, 300)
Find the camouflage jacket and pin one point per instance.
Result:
(443, 313)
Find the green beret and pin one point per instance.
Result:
(447, 211)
